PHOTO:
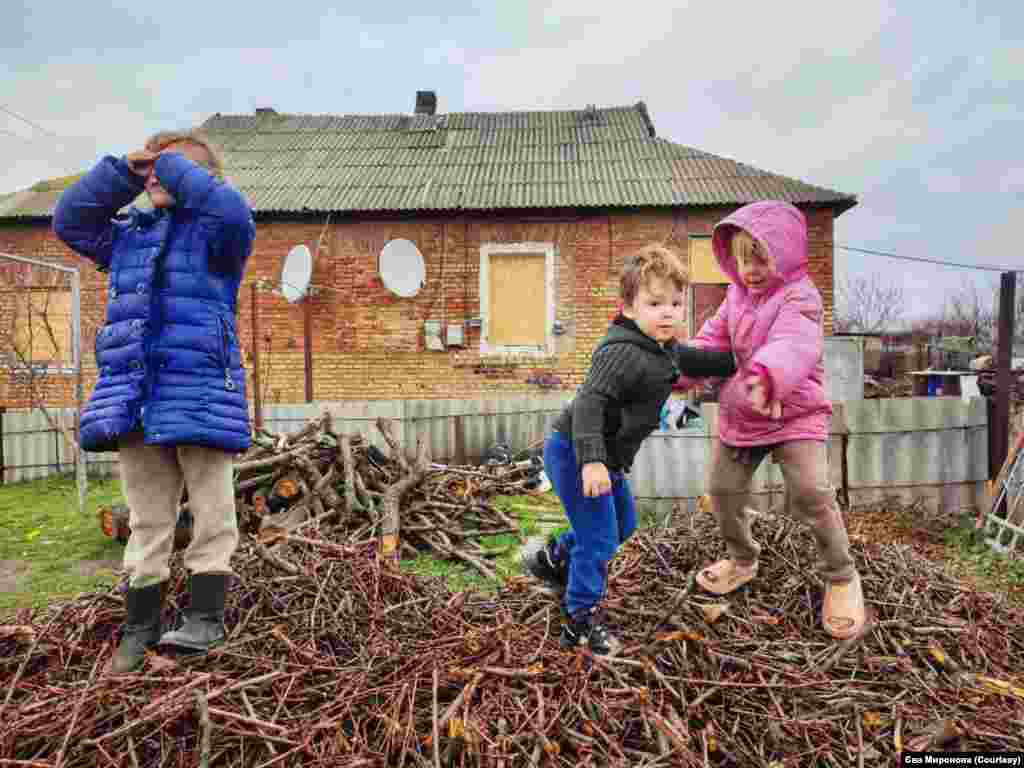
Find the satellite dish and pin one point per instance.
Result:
(296, 273)
(402, 268)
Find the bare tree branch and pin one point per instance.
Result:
(867, 305)
(23, 364)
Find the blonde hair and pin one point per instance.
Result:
(650, 262)
(744, 246)
(164, 139)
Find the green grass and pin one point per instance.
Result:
(975, 555)
(42, 527)
(536, 516)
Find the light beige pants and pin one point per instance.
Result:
(152, 477)
(804, 465)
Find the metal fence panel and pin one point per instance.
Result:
(908, 447)
(844, 369)
(33, 449)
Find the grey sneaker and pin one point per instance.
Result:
(543, 563)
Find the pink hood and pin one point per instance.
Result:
(779, 227)
(778, 331)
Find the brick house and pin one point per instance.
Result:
(543, 204)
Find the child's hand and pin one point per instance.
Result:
(596, 481)
(141, 162)
(758, 400)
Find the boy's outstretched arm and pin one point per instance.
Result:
(714, 335)
(794, 344)
(698, 363)
(83, 218)
(193, 186)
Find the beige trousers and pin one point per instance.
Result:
(152, 477)
(804, 465)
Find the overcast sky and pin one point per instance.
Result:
(915, 107)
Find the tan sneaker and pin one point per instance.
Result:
(726, 576)
(843, 613)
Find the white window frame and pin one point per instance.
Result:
(550, 253)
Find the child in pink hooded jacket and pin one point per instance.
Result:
(771, 319)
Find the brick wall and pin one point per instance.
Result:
(368, 343)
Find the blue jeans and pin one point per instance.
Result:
(600, 524)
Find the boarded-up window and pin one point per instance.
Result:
(703, 264)
(518, 306)
(517, 297)
(708, 283)
(42, 326)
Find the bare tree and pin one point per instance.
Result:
(868, 305)
(34, 352)
(967, 312)
(972, 313)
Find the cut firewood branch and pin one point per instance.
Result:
(386, 427)
(391, 503)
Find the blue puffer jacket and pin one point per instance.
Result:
(168, 356)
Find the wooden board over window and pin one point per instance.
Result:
(42, 331)
(517, 294)
(703, 264)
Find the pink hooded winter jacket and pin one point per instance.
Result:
(779, 330)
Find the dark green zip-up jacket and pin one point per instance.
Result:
(631, 376)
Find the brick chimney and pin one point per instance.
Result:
(426, 102)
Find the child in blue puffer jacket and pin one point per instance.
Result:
(170, 394)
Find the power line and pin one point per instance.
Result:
(24, 119)
(981, 267)
(5, 132)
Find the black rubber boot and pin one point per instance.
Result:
(141, 629)
(203, 627)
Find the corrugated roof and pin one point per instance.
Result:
(470, 161)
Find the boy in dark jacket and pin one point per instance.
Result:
(170, 395)
(597, 436)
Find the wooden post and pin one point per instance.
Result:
(460, 440)
(1001, 421)
(307, 317)
(256, 357)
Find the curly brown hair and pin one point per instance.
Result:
(651, 261)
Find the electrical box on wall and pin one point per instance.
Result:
(456, 336)
(432, 333)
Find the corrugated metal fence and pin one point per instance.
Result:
(452, 429)
(31, 448)
(909, 447)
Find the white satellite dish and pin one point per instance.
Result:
(402, 268)
(296, 273)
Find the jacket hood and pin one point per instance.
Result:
(780, 228)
